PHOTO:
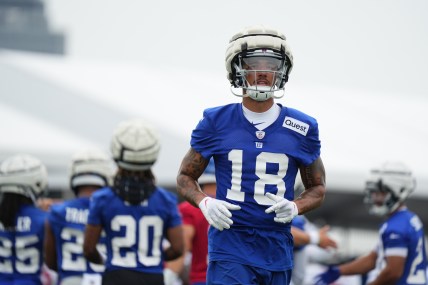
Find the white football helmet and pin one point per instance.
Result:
(135, 145)
(23, 174)
(395, 181)
(257, 51)
(91, 167)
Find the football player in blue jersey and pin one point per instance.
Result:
(305, 233)
(258, 147)
(135, 214)
(400, 255)
(22, 179)
(91, 169)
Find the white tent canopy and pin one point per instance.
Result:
(52, 106)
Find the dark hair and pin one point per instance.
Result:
(142, 174)
(134, 186)
(10, 203)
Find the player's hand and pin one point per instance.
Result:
(217, 212)
(331, 275)
(285, 210)
(325, 241)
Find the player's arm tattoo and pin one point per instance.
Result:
(313, 174)
(313, 178)
(192, 167)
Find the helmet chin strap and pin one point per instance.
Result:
(257, 93)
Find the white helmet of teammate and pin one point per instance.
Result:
(135, 145)
(23, 174)
(92, 167)
(246, 50)
(395, 180)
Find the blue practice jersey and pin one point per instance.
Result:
(21, 251)
(68, 221)
(249, 163)
(134, 233)
(403, 235)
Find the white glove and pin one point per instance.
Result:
(314, 236)
(285, 210)
(217, 212)
(170, 277)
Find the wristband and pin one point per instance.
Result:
(314, 237)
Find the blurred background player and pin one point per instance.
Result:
(22, 179)
(306, 234)
(135, 214)
(195, 228)
(91, 169)
(400, 255)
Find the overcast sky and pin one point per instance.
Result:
(376, 45)
(354, 62)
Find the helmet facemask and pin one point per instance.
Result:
(380, 199)
(396, 183)
(260, 73)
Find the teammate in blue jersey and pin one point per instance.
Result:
(135, 214)
(22, 179)
(91, 169)
(305, 233)
(400, 255)
(258, 147)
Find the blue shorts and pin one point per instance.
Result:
(231, 273)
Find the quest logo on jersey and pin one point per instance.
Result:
(296, 125)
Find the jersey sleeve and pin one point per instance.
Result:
(174, 215)
(204, 139)
(54, 216)
(309, 144)
(311, 147)
(98, 202)
(394, 243)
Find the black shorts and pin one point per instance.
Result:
(130, 277)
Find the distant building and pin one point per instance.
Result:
(24, 26)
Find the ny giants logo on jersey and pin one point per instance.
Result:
(260, 134)
(296, 125)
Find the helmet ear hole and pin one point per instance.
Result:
(238, 82)
(283, 81)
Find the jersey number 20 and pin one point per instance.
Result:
(144, 256)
